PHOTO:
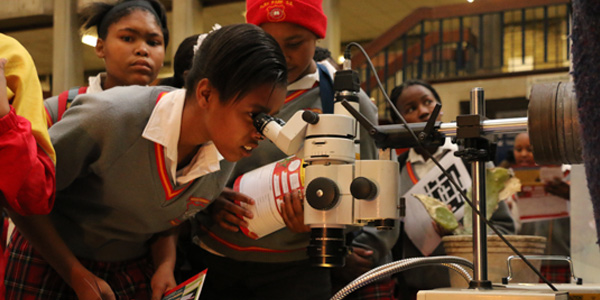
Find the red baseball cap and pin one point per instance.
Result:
(306, 13)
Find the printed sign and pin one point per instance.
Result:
(534, 203)
(417, 223)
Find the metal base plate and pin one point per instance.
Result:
(497, 293)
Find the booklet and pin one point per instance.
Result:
(188, 290)
(267, 185)
(534, 203)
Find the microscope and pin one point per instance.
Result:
(340, 190)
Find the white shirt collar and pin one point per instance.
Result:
(304, 83)
(164, 128)
(95, 83)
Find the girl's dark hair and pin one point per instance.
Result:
(237, 59)
(102, 15)
(321, 54)
(182, 61)
(397, 91)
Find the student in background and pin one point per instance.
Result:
(522, 151)
(557, 231)
(134, 162)
(132, 38)
(27, 158)
(415, 100)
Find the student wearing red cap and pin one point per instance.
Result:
(276, 266)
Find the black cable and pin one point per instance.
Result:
(428, 155)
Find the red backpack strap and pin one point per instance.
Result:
(66, 98)
(62, 104)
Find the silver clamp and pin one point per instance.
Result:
(568, 259)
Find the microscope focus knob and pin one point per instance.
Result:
(363, 188)
(322, 193)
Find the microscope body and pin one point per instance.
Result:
(330, 154)
(340, 190)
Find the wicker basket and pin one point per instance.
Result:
(497, 255)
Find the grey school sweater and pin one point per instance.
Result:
(113, 191)
(284, 245)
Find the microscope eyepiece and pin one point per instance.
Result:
(310, 117)
(261, 120)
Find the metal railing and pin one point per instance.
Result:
(463, 41)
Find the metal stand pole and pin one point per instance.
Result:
(480, 279)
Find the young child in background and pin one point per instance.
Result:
(557, 231)
(132, 38)
(522, 151)
(276, 266)
(134, 162)
(27, 180)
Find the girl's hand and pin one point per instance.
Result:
(293, 212)
(4, 106)
(357, 263)
(88, 286)
(227, 213)
(162, 281)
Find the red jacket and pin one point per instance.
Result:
(27, 178)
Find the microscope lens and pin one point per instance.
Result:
(327, 247)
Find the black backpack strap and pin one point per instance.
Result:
(326, 89)
(73, 92)
(402, 160)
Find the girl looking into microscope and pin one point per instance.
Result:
(134, 162)
(276, 266)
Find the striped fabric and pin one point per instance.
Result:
(380, 290)
(29, 277)
(557, 274)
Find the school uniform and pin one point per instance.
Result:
(117, 187)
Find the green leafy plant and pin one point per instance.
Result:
(439, 212)
(500, 185)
